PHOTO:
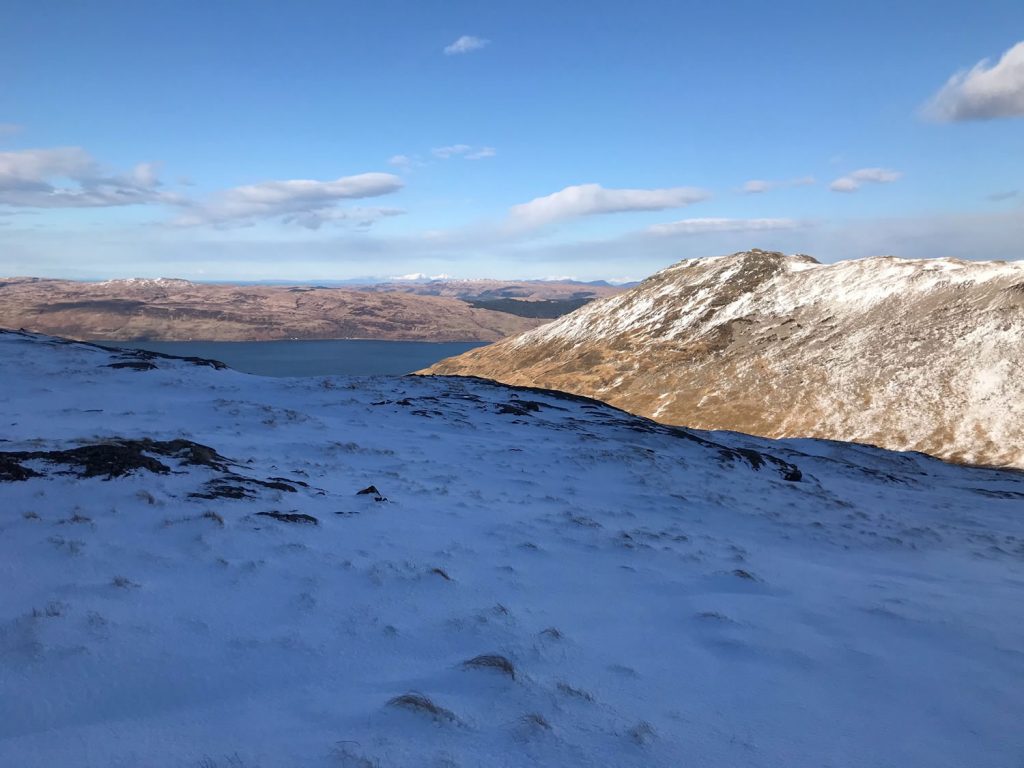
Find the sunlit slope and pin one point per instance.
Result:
(925, 355)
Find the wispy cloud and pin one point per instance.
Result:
(705, 226)
(357, 218)
(591, 199)
(447, 152)
(463, 150)
(855, 180)
(400, 161)
(69, 177)
(757, 186)
(305, 202)
(1008, 194)
(481, 154)
(984, 92)
(466, 44)
(992, 235)
(9, 129)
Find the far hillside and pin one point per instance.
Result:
(542, 308)
(180, 310)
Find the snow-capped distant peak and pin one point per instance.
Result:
(167, 282)
(419, 277)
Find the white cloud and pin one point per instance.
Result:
(463, 150)
(845, 184)
(853, 181)
(9, 129)
(590, 199)
(303, 201)
(400, 161)
(466, 44)
(757, 186)
(984, 92)
(704, 226)
(32, 165)
(145, 174)
(69, 177)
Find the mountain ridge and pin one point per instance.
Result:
(904, 354)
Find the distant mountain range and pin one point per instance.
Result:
(173, 310)
(523, 290)
(923, 355)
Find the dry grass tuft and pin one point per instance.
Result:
(53, 609)
(492, 661)
(713, 616)
(231, 761)
(417, 702)
(576, 693)
(536, 720)
(642, 733)
(347, 757)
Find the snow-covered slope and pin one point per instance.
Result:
(921, 355)
(192, 580)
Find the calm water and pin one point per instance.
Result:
(313, 358)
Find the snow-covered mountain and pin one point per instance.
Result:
(203, 568)
(921, 355)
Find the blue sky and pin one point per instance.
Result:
(320, 140)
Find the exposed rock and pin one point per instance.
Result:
(290, 517)
(234, 486)
(11, 469)
(373, 492)
(114, 458)
(134, 365)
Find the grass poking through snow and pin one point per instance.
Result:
(417, 702)
(492, 661)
